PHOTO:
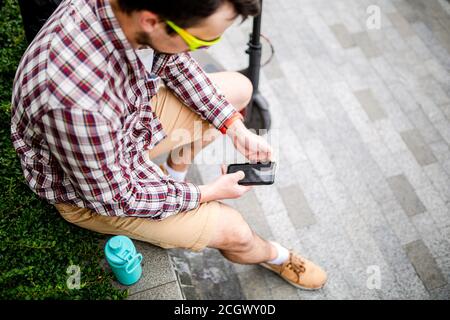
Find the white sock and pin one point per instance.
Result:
(283, 254)
(176, 175)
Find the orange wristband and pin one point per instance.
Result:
(230, 121)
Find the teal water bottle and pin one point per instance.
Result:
(125, 262)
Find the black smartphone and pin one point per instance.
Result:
(260, 173)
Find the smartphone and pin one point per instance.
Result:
(255, 173)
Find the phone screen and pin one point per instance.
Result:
(255, 173)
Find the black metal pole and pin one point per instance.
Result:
(257, 114)
(255, 52)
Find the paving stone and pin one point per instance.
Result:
(432, 235)
(418, 147)
(412, 170)
(190, 293)
(406, 195)
(181, 266)
(435, 205)
(406, 65)
(347, 17)
(285, 293)
(215, 277)
(423, 124)
(419, 47)
(425, 265)
(429, 39)
(384, 70)
(384, 159)
(398, 118)
(317, 154)
(403, 97)
(443, 262)
(440, 180)
(442, 293)
(444, 129)
(436, 18)
(354, 80)
(397, 259)
(357, 116)
(252, 212)
(391, 138)
(370, 105)
(343, 36)
(297, 206)
(438, 71)
(291, 148)
(205, 275)
(273, 70)
(441, 150)
(401, 24)
(284, 175)
(399, 222)
(167, 291)
(254, 285)
(430, 86)
(364, 42)
(321, 251)
(371, 174)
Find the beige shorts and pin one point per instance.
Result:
(191, 229)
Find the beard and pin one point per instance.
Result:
(144, 40)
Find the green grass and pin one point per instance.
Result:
(36, 244)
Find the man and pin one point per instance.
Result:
(105, 87)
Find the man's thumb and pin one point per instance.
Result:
(239, 175)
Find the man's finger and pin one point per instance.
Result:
(223, 167)
(239, 175)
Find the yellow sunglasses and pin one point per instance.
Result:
(193, 42)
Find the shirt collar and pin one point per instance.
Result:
(117, 37)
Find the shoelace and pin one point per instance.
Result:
(296, 264)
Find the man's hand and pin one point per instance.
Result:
(225, 187)
(252, 146)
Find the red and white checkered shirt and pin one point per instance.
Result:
(82, 119)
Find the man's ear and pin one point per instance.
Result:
(148, 20)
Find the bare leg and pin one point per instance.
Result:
(258, 250)
(236, 241)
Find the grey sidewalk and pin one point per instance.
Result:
(363, 183)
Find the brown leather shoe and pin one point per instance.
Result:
(299, 272)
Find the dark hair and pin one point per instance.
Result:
(187, 13)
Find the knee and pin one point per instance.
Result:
(241, 238)
(243, 93)
(234, 233)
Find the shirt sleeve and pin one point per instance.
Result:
(183, 75)
(88, 150)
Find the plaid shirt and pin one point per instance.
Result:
(82, 119)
